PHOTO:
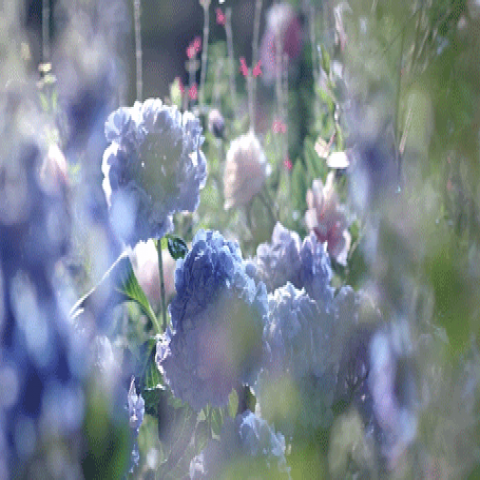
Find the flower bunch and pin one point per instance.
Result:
(247, 442)
(218, 316)
(287, 259)
(153, 168)
(326, 218)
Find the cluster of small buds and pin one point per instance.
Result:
(245, 71)
(279, 127)
(221, 17)
(194, 47)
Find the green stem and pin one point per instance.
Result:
(138, 48)
(162, 285)
(267, 201)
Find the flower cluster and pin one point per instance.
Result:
(247, 446)
(218, 316)
(153, 168)
(245, 171)
(299, 334)
(287, 259)
(327, 219)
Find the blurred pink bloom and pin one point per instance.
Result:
(194, 47)
(246, 169)
(279, 127)
(180, 85)
(284, 27)
(288, 164)
(243, 67)
(145, 265)
(257, 69)
(326, 218)
(221, 18)
(193, 92)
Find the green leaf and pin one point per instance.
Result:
(315, 165)
(217, 421)
(177, 247)
(130, 289)
(299, 187)
(150, 379)
(233, 404)
(118, 285)
(202, 435)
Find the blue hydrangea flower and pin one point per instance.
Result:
(299, 333)
(218, 316)
(287, 259)
(247, 448)
(153, 168)
(391, 384)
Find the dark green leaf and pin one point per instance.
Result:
(177, 247)
(118, 285)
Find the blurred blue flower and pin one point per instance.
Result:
(153, 168)
(247, 446)
(299, 333)
(136, 412)
(218, 316)
(287, 259)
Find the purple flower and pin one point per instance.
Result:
(287, 259)
(153, 168)
(218, 316)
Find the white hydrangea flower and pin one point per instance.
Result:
(246, 169)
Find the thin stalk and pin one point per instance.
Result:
(255, 42)
(251, 106)
(45, 31)
(231, 58)
(162, 285)
(138, 48)
(203, 73)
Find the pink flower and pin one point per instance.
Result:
(288, 164)
(221, 18)
(193, 92)
(283, 25)
(327, 219)
(194, 47)
(243, 67)
(279, 127)
(145, 265)
(257, 69)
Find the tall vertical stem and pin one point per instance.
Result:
(256, 33)
(138, 48)
(203, 73)
(45, 31)
(231, 58)
(162, 284)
